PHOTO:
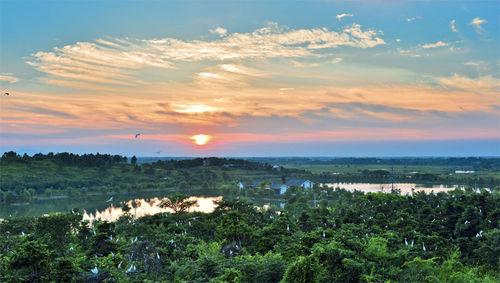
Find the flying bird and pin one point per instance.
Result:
(6, 93)
(137, 135)
(95, 270)
(110, 199)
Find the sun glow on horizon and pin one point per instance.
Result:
(201, 139)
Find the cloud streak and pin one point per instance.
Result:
(114, 61)
(343, 15)
(8, 77)
(436, 44)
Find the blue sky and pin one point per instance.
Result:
(259, 78)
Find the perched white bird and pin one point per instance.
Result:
(324, 235)
(131, 269)
(157, 255)
(287, 227)
(120, 264)
(423, 247)
(411, 243)
(406, 242)
(95, 270)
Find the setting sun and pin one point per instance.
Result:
(200, 139)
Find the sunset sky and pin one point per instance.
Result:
(325, 78)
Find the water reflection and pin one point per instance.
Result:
(143, 207)
(405, 188)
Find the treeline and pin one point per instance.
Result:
(25, 178)
(212, 161)
(99, 160)
(347, 237)
(65, 158)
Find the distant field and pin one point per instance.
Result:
(333, 168)
(398, 169)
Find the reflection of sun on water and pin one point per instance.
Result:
(150, 207)
(200, 139)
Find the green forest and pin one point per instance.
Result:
(318, 235)
(359, 237)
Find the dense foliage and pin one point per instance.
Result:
(25, 178)
(347, 237)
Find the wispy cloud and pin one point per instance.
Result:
(411, 19)
(453, 26)
(435, 45)
(482, 85)
(220, 31)
(228, 75)
(113, 61)
(343, 15)
(299, 64)
(8, 77)
(479, 66)
(477, 23)
(335, 60)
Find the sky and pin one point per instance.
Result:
(257, 78)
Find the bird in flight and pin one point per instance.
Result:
(110, 199)
(158, 152)
(137, 135)
(6, 93)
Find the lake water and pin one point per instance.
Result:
(91, 204)
(97, 207)
(405, 188)
(145, 207)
